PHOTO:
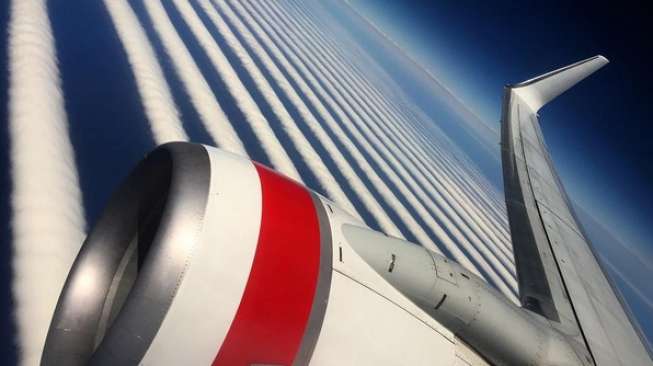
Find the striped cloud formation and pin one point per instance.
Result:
(93, 86)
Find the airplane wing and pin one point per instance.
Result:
(560, 277)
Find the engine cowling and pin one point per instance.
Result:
(197, 242)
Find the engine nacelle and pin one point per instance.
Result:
(202, 254)
(204, 257)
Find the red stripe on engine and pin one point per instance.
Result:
(275, 307)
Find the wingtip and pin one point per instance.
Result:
(540, 90)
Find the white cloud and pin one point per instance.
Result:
(152, 87)
(303, 146)
(200, 93)
(47, 216)
(276, 153)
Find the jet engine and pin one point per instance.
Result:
(204, 257)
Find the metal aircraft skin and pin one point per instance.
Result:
(204, 257)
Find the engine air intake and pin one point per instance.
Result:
(129, 267)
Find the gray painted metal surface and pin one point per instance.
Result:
(497, 328)
(559, 275)
(323, 288)
(126, 274)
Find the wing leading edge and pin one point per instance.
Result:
(559, 275)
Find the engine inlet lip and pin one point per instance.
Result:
(171, 183)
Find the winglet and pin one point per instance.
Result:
(540, 90)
